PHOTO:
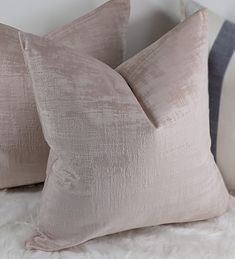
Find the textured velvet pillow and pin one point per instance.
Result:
(129, 148)
(23, 151)
(221, 91)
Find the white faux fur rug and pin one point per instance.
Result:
(209, 239)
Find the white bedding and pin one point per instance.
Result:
(209, 239)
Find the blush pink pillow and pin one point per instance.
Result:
(129, 148)
(23, 150)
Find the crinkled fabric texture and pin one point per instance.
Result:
(23, 150)
(129, 148)
(221, 91)
(210, 239)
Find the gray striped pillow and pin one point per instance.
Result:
(221, 91)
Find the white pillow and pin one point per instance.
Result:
(221, 90)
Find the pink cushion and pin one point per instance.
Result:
(129, 148)
(23, 151)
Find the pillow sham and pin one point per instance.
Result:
(221, 91)
(129, 148)
(23, 150)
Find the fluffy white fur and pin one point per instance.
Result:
(209, 239)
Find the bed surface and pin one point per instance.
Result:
(214, 238)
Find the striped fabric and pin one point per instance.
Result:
(221, 91)
(219, 58)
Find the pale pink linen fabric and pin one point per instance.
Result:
(23, 151)
(125, 156)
